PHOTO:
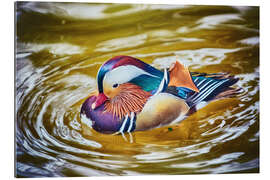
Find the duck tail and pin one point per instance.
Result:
(212, 86)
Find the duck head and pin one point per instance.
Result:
(125, 83)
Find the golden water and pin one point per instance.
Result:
(59, 48)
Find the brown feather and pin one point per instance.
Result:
(131, 98)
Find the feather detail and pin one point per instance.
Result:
(131, 98)
(230, 92)
(212, 86)
(180, 77)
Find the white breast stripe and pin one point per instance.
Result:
(161, 85)
(195, 80)
(124, 124)
(163, 82)
(166, 75)
(211, 90)
(131, 121)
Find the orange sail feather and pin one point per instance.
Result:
(180, 77)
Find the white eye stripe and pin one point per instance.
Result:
(123, 74)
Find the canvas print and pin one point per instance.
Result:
(107, 89)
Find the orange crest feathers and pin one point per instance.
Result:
(180, 77)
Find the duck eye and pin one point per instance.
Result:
(115, 85)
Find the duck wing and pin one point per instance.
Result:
(211, 86)
(196, 87)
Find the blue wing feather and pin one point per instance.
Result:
(183, 92)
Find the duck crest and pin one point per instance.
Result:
(148, 81)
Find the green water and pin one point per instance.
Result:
(59, 48)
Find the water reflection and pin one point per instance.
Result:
(194, 58)
(122, 43)
(54, 48)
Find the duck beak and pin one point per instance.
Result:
(99, 101)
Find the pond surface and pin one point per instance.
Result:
(59, 48)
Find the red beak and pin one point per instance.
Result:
(99, 101)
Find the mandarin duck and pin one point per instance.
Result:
(135, 96)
